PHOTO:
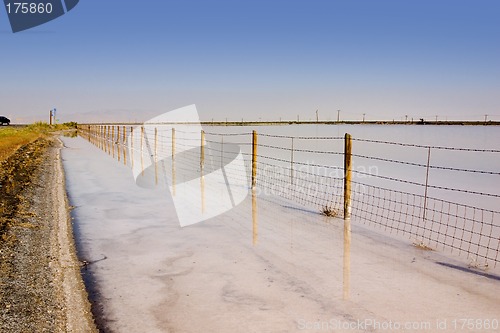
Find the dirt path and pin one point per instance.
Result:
(40, 284)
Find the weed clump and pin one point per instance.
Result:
(328, 211)
(422, 246)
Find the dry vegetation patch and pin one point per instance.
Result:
(16, 173)
(12, 139)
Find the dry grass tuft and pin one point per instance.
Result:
(473, 264)
(422, 246)
(12, 138)
(330, 212)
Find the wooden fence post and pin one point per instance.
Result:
(142, 150)
(202, 165)
(105, 138)
(202, 152)
(132, 147)
(255, 223)
(254, 159)
(347, 214)
(426, 183)
(291, 165)
(347, 176)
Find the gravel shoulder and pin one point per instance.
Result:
(41, 289)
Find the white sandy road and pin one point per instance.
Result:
(283, 273)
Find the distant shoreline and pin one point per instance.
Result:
(312, 122)
(348, 122)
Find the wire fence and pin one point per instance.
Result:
(441, 198)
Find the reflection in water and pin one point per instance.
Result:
(315, 247)
(202, 183)
(255, 221)
(203, 193)
(124, 154)
(347, 258)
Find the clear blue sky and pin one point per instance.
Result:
(251, 59)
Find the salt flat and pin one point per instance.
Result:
(281, 271)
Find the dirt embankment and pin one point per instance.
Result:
(40, 284)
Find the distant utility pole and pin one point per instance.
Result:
(364, 114)
(338, 115)
(52, 117)
(317, 117)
